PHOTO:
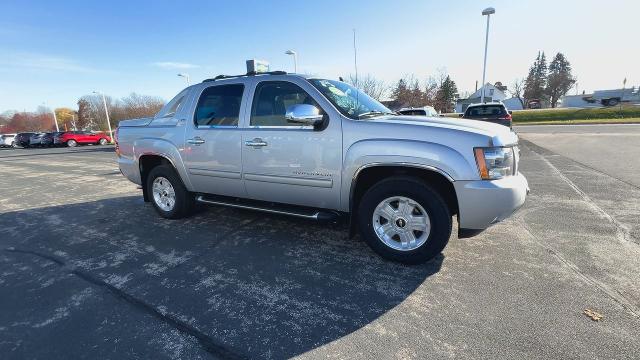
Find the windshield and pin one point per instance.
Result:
(350, 101)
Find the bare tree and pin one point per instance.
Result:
(370, 85)
(516, 90)
(91, 114)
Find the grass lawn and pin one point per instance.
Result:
(581, 121)
(609, 114)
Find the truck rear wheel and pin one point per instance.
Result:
(403, 219)
(169, 196)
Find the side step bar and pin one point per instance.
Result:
(280, 209)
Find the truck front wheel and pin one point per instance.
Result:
(403, 219)
(168, 194)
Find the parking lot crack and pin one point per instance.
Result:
(613, 294)
(209, 344)
(623, 233)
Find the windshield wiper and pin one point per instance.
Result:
(375, 113)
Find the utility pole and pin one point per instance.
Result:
(104, 101)
(55, 119)
(488, 12)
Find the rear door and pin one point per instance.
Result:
(286, 162)
(212, 153)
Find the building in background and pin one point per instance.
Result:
(493, 93)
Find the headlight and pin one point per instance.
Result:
(495, 162)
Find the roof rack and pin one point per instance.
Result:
(252, 73)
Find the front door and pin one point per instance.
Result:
(286, 162)
(212, 151)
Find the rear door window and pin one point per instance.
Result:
(219, 106)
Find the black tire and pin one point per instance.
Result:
(102, 141)
(72, 143)
(420, 192)
(184, 200)
(613, 102)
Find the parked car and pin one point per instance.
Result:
(75, 138)
(534, 104)
(7, 140)
(22, 139)
(421, 111)
(57, 139)
(49, 138)
(296, 145)
(36, 139)
(494, 112)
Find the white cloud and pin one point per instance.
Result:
(170, 65)
(42, 62)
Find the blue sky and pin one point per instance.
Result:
(56, 51)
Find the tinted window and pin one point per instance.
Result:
(489, 111)
(413, 112)
(272, 99)
(219, 106)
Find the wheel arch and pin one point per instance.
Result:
(368, 175)
(157, 148)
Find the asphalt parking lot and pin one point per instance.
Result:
(88, 270)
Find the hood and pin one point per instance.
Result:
(500, 135)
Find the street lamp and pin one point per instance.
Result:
(186, 76)
(488, 11)
(295, 59)
(55, 118)
(104, 102)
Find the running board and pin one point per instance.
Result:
(280, 209)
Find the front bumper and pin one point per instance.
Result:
(482, 203)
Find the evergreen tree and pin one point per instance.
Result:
(560, 79)
(446, 95)
(536, 81)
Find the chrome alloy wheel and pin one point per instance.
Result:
(401, 223)
(163, 194)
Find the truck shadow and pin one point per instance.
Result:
(251, 284)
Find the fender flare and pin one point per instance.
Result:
(165, 149)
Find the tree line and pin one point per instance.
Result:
(545, 83)
(439, 91)
(90, 114)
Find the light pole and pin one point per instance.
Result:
(55, 119)
(186, 76)
(295, 59)
(106, 112)
(488, 11)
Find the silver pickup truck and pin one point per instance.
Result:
(322, 149)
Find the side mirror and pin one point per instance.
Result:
(510, 112)
(304, 114)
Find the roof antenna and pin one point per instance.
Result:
(355, 65)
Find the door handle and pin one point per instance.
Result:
(196, 141)
(257, 142)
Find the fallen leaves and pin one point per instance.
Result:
(595, 316)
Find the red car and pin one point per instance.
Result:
(74, 138)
